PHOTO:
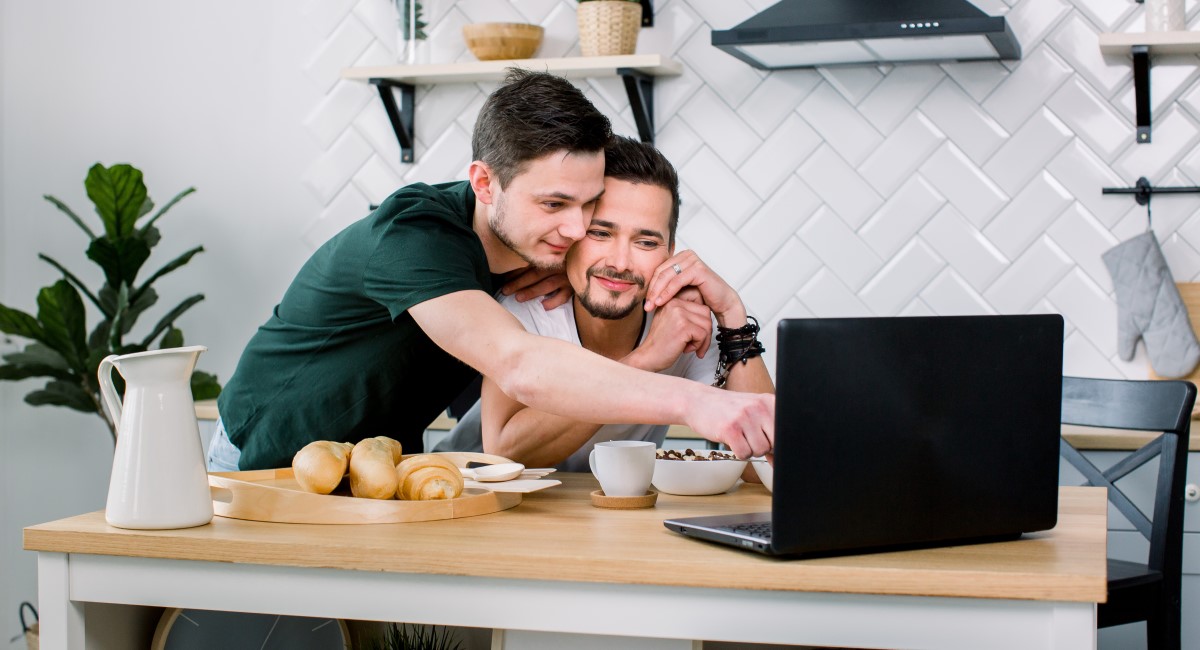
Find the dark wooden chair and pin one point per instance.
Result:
(1147, 591)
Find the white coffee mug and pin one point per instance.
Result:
(624, 467)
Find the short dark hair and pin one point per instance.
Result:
(628, 160)
(533, 114)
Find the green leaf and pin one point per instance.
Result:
(204, 385)
(98, 339)
(145, 208)
(151, 236)
(60, 310)
(25, 371)
(36, 354)
(70, 213)
(167, 268)
(119, 194)
(120, 259)
(115, 330)
(169, 319)
(73, 280)
(172, 339)
(18, 323)
(168, 206)
(139, 305)
(63, 393)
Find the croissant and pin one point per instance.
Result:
(320, 466)
(425, 477)
(373, 468)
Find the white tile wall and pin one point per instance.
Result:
(951, 188)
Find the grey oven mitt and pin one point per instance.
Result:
(1149, 307)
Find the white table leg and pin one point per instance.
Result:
(61, 619)
(1074, 627)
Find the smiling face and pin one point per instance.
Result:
(545, 208)
(628, 238)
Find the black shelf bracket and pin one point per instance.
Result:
(648, 13)
(640, 88)
(1141, 90)
(401, 116)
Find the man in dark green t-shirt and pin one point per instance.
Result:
(388, 321)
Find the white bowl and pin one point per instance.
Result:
(765, 471)
(696, 477)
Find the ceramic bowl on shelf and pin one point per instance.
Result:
(696, 477)
(495, 41)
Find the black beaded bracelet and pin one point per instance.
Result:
(736, 344)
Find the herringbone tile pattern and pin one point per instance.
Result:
(959, 188)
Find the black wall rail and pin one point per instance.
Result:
(1143, 189)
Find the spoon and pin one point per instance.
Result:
(493, 473)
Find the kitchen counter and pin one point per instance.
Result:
(554, 561)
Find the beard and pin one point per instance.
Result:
(605, 310)
(497, 224)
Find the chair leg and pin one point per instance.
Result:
(1163, 629)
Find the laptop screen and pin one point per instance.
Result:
(893, 431)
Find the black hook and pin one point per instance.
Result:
(1142, 195)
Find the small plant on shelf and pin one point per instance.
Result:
(412, 25)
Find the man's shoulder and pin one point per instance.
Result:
(444, 202)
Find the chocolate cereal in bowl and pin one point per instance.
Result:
(692, 473)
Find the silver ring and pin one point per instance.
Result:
(677, 269)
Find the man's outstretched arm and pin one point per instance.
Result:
(561, 378)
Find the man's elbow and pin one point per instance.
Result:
(518, 375)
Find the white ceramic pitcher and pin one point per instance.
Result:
(158, 477)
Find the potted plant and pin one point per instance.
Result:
(608, 27)
(60, 348)
(412, 31)
(405, 636)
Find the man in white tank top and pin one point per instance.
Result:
(621, 271)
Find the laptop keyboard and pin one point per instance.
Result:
(759, 531)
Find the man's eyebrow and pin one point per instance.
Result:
(564, 196)
(644, 232)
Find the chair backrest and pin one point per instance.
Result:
(1164, 406)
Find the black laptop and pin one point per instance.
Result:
(907, 432)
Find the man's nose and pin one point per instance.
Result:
(573, 226)
(618, 257)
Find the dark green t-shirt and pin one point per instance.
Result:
(340, 357)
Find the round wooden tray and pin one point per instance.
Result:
(274, 495)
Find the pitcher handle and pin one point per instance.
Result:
(112, 401)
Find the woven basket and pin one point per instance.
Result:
(609, 27)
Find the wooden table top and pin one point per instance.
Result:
(556, 534)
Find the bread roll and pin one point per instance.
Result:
(397, 449)
(372, 468)
(426, 477)
(320, 465)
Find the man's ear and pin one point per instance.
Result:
(481, 178)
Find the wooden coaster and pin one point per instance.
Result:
(647, 500)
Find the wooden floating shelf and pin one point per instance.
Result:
(655, 65)
(637, 71)
(1158, 42)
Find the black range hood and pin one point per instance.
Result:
(806, 33)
